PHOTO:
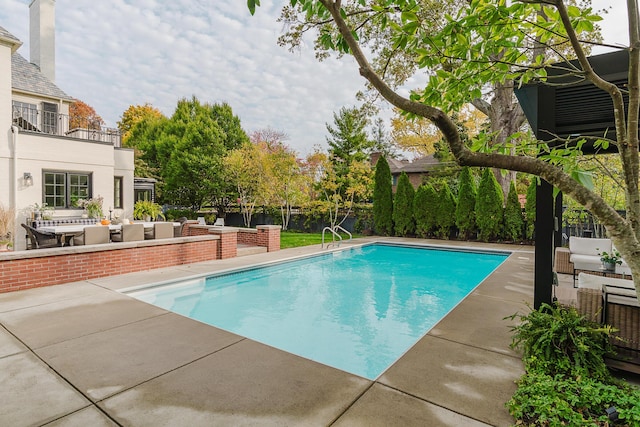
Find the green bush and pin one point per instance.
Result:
(173, 214)
(383, 199)
(466, 208)
(403, 207)
(513, 221)
(566, 381)
(548, 400)
(530, 209)
(558, 340)
(445, 212)
(424, 210)
(489, 207)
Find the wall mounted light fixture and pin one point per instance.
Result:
(28, 179)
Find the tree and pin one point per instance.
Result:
(403, 221)
(245, 167)
(348, 141)
(465, 210)
(499, 45)
(340, 193)
(287, 184)
(445, 212)
(186, 151)
(383, 198)
(513, 221)
(489, 210)
(420, 211)
(83, 116)
(134, 115)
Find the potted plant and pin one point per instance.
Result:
(7, 218)
(93, 206)
(609, 260)
(147, 210)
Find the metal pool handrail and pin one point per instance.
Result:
(335, 233)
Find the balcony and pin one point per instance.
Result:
(53, 123)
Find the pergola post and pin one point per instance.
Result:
(545, 227)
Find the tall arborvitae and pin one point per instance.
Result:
(445, 213)
(420, 211)
(466, 209)
(489, 207)
(424, 210)
(513, 220)
(530, 208)
(403, 207)
(383, 199)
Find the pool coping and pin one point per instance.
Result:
(470, 374)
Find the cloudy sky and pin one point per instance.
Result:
(115, 53)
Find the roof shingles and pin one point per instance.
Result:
(27, 77)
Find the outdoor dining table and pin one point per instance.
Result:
(65, 233)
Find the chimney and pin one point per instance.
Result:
(42, 37)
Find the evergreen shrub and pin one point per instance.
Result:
(466, 208)
(382, 199)
(404, 224)
(489, 210)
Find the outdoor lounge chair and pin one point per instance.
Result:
(93, 235)
(41, 239)
(129, 233)
(219, 222)
(177, 231)
(611, 301)
(161, 230)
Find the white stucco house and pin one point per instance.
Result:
(42, 160)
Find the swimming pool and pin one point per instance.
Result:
(357, 309)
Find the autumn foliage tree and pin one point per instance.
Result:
(133, 115)
(83, 116)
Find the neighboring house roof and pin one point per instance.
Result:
(419, 165)
(27, 77)
(10, 38)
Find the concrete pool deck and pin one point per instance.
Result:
(84, 354)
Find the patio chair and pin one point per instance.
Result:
(93, 235)
(177, 231)
(41, 239)
(129, 233)
(219, 222)
(161, 230)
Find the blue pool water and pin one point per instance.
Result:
(357, 310)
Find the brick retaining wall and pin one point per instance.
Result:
(46, 267)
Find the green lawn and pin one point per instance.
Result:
(290, 239)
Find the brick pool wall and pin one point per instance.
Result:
(46, 267)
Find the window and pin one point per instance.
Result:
(143, 195)
(117, 192)
(25, 115)
(49, 118)
(64, 189)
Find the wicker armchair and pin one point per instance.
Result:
(41, 239)
(618, 307)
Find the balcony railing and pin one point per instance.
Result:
(53, 123)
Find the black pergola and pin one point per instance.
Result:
(566, 106)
